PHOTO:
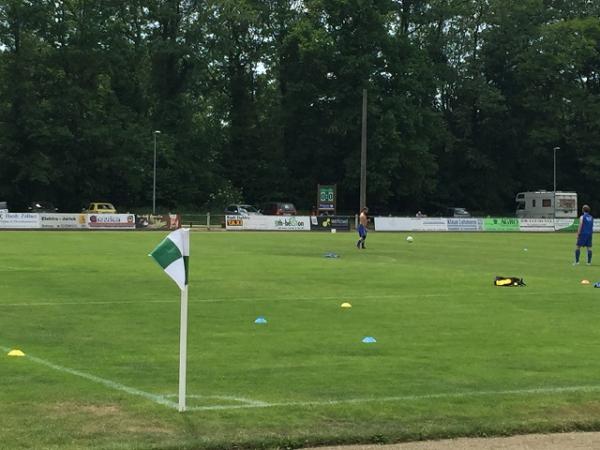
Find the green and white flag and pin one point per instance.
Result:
(172, 254)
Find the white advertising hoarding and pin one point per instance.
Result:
(19, 220)
(268, 223)
(536, 224)
(61, 221)
(110, 221)
(411, 224)
(464, 224)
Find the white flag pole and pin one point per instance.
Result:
(183, 347)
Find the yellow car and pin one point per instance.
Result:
(100, 208)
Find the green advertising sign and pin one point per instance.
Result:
(501, 224)
(567, 225)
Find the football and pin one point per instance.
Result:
(409, 239)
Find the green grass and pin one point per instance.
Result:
(454, 355)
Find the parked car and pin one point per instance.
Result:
(100, 208)
(42, 207)
(241, 210)
(278, 209)
(458, 212)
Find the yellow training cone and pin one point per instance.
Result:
(346, 305)
(585, 281)
(16, 352)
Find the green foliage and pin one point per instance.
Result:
(466, 100)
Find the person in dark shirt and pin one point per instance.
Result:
(584, 235)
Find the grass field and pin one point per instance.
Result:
(99, 323)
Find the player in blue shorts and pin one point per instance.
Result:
(584, 235)
(363, 221)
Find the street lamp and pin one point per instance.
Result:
(156, 133)
(554, 189)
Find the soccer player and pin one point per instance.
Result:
(363, 220)
(584, 235)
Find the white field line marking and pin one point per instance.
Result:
(162, 399)
(533, 391)
(108, 383)
(243, 400)
(340, 297)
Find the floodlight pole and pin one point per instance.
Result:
(156, 132)
(363, 154)
(554, 185)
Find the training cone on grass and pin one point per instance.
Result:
(369, 340)
(260, 320)
(16, 352)
(346, 305)
(585, 281)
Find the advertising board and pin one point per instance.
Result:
(501, 224)
(157, 222)
(234, 222)
(411, 224)
(327, 223)
(62, 221)
(464, 224)
(540, 225)
(110, 221)
(19, 220)
(268, 223)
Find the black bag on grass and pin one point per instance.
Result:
(509, 281)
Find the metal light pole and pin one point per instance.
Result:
(363, 154)
(554, 188)
(156, 133)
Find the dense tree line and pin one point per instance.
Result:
(261, 100)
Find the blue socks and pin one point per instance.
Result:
(589, 255)
(577, 254)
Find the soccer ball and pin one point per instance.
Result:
(409, 239)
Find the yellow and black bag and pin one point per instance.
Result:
(509, 281)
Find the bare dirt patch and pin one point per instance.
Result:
(101, 418)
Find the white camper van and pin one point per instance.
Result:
(540, 204)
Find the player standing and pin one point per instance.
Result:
(584, 235)
(363, 220)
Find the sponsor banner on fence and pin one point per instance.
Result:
(411, 224)
(268, 223)
(19, 220)
(110, 221)
(326, 223)
(160, 222)
(58, 221)
(234, 222)
(545, 225)
(464, 224)
(536, 224)
(501, 224)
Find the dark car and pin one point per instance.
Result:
(241, 210)
(279, 209)
(42, 207)
(458, 212)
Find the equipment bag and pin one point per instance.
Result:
(509, 281)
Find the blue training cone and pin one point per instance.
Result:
(260, 320)
(369, 340)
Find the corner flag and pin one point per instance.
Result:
(173, 254)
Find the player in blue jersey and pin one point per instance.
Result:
(363, 221)
(584, 235)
